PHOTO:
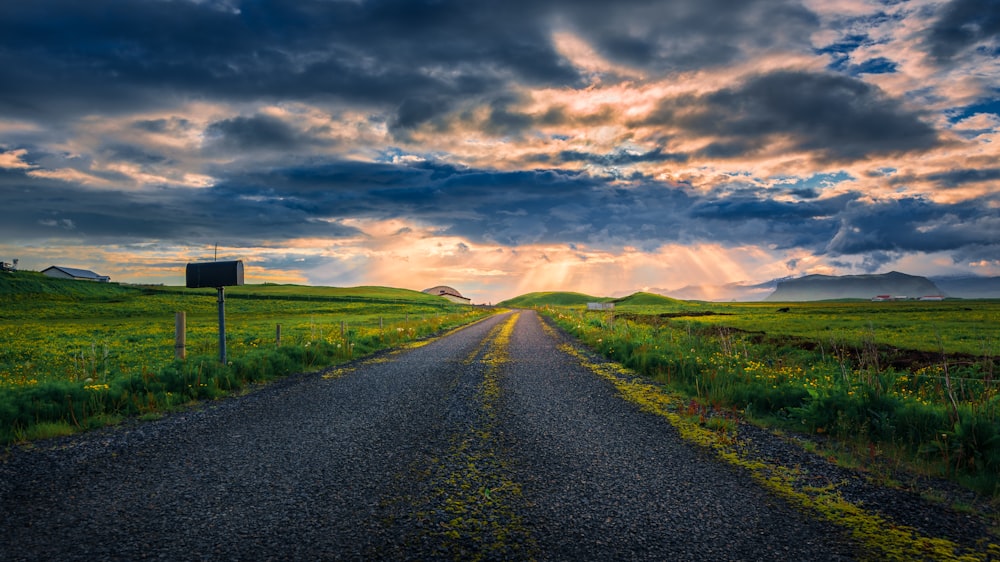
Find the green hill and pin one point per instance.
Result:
(18, 285)
(557, 298)
(647, 299)
(563, 298)
(637, 302)
(307, 292)
(21, 285)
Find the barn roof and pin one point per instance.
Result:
(443, 290)
(74, 272)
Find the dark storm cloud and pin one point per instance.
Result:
(561, 207)
(504, 120)
(749, 215)
(38, 208)
(291, 261)
(874, 261)
(681, 35)
(255, 132)
(804, 193)
(147, 95)
(959, 178)
(414, 112)
(621, 158)
(917, 224)
(962, 24)
(486, 206)
(838, 118)
(949, 179)
(751, 205)
(732, 148)
(162, 125)
(63, 57)
(130, 153)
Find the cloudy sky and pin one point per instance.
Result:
(688, 147)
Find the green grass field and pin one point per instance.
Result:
(951, 327)
(56, 329)
(62, 338)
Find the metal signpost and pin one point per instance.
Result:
(218, 275)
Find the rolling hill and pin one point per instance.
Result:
(551, 298)
(31, 284)
(578, 299)
(646, 299)
(554, 298)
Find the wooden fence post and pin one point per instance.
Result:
(277, 336)
(180, 335)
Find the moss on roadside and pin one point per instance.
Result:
(882, 539)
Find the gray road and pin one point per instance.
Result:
(489, 443)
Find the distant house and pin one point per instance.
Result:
(449, 293)
(74, 273)
(932, 298)
(880, 298)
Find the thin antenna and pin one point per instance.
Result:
(216, 251)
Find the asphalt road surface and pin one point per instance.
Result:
(489, 443)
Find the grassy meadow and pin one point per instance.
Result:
(76, 354)
(907, 383)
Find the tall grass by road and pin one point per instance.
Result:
(77, 355)
(937, 412)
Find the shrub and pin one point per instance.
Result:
(918, 423)
(761, 399)
(875, 412)
(823, 413)
(976, 443)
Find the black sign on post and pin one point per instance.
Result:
(216, 274)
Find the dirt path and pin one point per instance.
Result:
(487, 443)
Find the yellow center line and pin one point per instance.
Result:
(470, 493)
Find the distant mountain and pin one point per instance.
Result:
(969, 287)
(857, 286)
(740, 292)
(828, 287)
(728, 292)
